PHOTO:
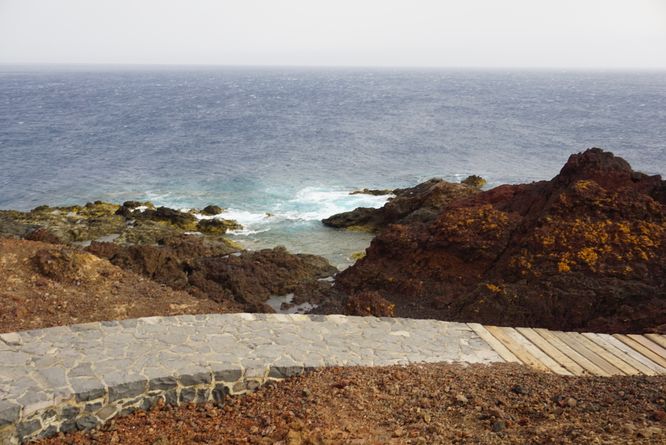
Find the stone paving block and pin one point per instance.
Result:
(219, 393)
(187, 395)
(86, 423)
(9, 412)
(124, 385)
(132, 323)
(106, 413)
(195, 377)
(283, 372)
(228, 375)
(33, 400)
(162, 383)
(81, 370)
(48, 432)
(28, 428)
(70, 412)
(14, 358)
(11, 339)
(87, 388)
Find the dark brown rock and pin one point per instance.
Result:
(421, 204)
(217, 226)
(369, 303)
(372, 192)
(183, 220)
(66, 266)
(44, 235)
(474, 181)
(212, 210)
(214, 271)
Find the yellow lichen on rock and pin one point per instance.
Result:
(358, 255)
(563, 266)
(493, 288)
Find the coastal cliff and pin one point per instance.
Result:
(585, 250)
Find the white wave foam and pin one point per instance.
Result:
(309, 204)
(246, 232)
(313, 203)
(245, 217)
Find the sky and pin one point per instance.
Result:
(603, 34)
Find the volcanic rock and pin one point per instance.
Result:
(212, 210)
(372, 192)
(369, 303)
(213, 270)
(184, 220)
(474, 181)
(66, 265)
(421, 204)
(125, 224)
(217, 226)
(42, 234)
(586, 250)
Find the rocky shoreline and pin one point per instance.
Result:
(136, 259)
(585, 250)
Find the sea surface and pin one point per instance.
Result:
(292, 143)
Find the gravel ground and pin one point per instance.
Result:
(418, 404)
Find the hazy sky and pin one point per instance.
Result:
(463, 33)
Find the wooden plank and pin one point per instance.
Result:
(658, 339)
(604, 354)
(633, 353)
(652, 346)
(517, 349)
(554, 340)
(557, 355)
(536, 352)
(633, 344)
(597, 339)
(501, 350)
(572, 341)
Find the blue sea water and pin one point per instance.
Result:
(294, 142)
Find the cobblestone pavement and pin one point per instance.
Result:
(76, 377)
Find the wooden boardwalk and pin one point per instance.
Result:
(574, 353)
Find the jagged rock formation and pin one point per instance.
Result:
(421, 203)
(586, 250)
(132, 222)
(154, 242)
(210, 270)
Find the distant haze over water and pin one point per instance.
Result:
(293, 142)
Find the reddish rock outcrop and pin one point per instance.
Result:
(586, 250)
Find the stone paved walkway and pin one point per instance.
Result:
(76, 377)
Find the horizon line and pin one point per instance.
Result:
(294, 66)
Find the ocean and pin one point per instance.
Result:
(292, 143)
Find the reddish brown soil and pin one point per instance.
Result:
(586, 250)
(421, 404)
(44, 285)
